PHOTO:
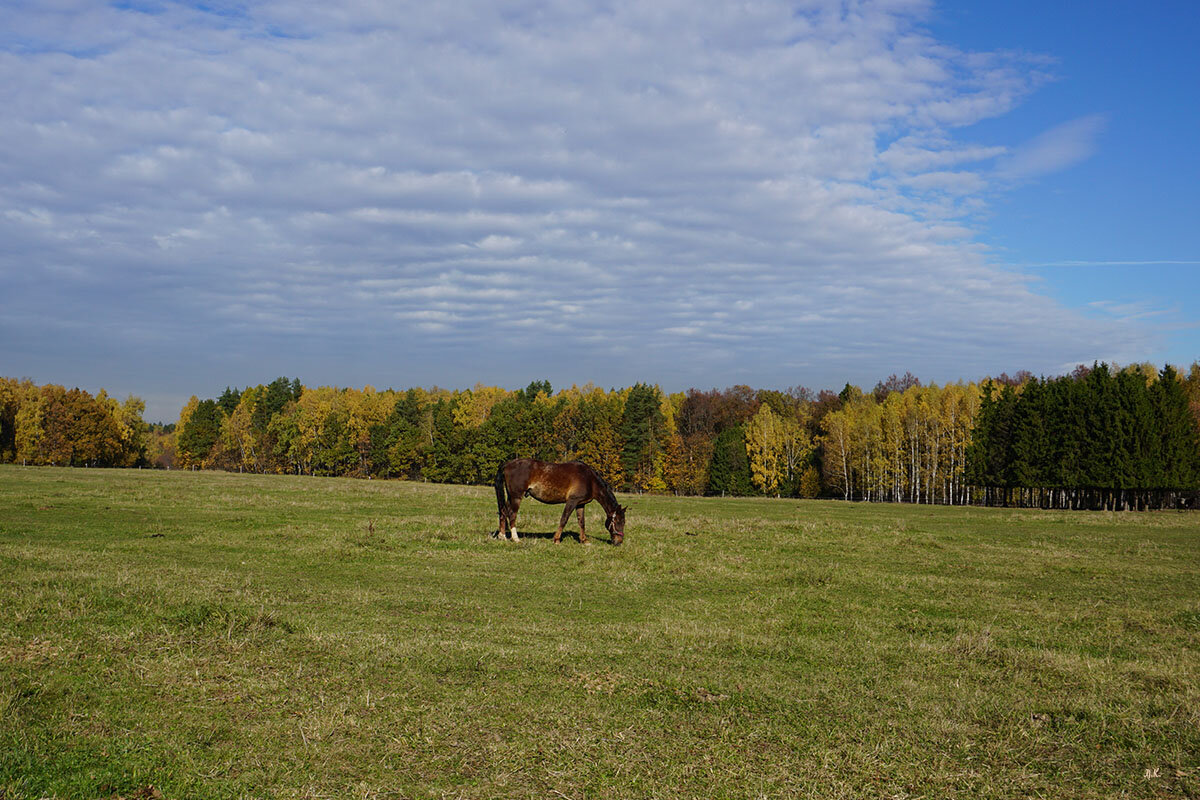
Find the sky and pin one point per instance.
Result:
(195, 196)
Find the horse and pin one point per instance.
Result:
(573, 483)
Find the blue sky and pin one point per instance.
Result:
(1116, 231)
(772, 193)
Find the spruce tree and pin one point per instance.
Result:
(979, 469)
(643, 431)
(198, 436)
(1031, 441)
(1179, 442)
(729, 469)
(1099, 411)
(228, 401)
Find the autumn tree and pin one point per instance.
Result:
(10, 404)
(160, 446)
(52, 425)
(837, 445)
(686, 464)
(810, 483)
(239, 441)
(586, 427)
(473, 407)
(894, 384)
(777, 446)
(132, 430)
(93, 431)
(364, 411)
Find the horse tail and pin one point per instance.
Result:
(501, 494)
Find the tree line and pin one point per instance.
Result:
(995, 441)
(70, 427)
(1101, 439)
(738, 441)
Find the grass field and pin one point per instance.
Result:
(223, 636)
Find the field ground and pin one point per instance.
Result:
(226, 636)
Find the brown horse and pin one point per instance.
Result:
(573, 483)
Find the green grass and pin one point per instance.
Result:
(228, 636)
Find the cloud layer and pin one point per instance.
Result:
(703, 194)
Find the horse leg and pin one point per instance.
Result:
(514, 505)
(565, 516)
(582, 534)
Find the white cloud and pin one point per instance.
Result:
(1058, 148)
(654, 177)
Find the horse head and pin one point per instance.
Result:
(616, 524)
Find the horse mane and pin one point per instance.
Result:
(609, 495)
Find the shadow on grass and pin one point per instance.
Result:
(606, 539)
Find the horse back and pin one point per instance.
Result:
(549, 482)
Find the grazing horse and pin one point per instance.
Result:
(573, 483)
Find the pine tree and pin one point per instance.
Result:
(729, 469)
(200, 433)
(1179, 440)
(644, 433)
(229, 399)
(1031, 440)
(535, 388)
(397, 444)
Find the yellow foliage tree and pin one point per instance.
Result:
(685, 465)
(810, 483)
(30, 429)
(238, 439)
(182, 458)
(837, 447)
(131, 430)
(777, 446)
(186, 412)
(474, 406)
(10, 403)
(365, 410)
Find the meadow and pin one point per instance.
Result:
(212, 635)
